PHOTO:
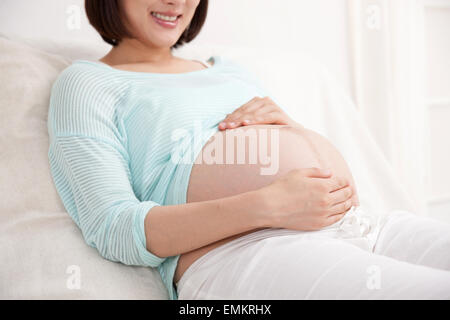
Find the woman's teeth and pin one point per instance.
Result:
(165, 18)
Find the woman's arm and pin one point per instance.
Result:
(176, 229)
(303, 199)
(90, 166)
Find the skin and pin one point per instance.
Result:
(231, 200)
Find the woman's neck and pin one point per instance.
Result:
(132, 51)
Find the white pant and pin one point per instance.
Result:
(401, 256)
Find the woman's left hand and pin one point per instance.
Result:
(257, 111)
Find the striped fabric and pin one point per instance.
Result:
(122, 142)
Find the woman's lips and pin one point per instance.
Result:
(166, 24)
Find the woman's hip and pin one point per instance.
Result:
(275, 264)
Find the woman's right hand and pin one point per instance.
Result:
(307, 199)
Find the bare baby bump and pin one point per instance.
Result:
(254, 157)
(248, 158)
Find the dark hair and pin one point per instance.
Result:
(106, 18)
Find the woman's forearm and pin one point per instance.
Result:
(176, 229)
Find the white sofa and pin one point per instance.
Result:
(42, 252)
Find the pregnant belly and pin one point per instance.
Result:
(248, 158)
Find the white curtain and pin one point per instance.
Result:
(387, 45)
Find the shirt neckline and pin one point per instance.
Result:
(216, 59)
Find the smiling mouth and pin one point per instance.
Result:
(166, 18)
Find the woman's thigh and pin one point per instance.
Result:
(415, 239)
(298, 266)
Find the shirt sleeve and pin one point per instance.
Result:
(90, 168)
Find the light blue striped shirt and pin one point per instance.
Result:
(122, 142)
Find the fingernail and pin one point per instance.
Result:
(232, 124)
(222, 124)
(246, 121)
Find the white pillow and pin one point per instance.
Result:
(42, 252)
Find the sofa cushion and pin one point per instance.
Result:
(43, 253)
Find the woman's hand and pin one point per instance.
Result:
(257, 111)
(306, 199)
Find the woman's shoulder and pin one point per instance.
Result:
(235, 65)
(83, 72)
(80, 96)
(237, 68)
(83, 79)
(82, 87)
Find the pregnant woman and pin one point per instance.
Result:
(190, 167)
